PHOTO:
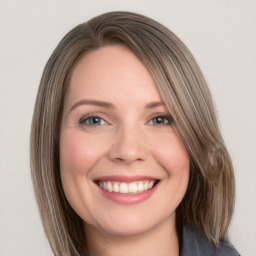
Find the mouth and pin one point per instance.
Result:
(127, 188)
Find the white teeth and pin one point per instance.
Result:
(140, 186)
(109, 186)
(127, 188)
(116, 187)
(133, 188)
(124, 188)
(151, 183)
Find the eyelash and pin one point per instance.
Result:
(83, 121)
(167, 118)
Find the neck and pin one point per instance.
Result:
(161, 240)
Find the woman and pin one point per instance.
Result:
(126, 154)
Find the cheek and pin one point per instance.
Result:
(77, 153)
(174, 159)
(170, 152)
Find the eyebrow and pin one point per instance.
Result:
(154, 104)
(92, 102)
(109, 105)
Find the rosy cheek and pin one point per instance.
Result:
(77, 153)
(172, 154)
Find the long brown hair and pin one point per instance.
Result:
(209, 200)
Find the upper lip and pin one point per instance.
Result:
(123, 178)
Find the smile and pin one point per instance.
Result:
(127, 188)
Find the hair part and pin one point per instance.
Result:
(209, 200)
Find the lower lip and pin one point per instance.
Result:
(128, 199)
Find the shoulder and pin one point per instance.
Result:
(226, 249)
(195, 243)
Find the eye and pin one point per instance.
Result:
(161, 120)
(92, 120)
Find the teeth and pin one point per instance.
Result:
(146, 186)
(133, 188)
(127, 188)
(116, 187)
(123, 188)
(140, 187)
(109, 186)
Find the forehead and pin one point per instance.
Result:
(112, 71)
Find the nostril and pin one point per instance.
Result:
(128, 148)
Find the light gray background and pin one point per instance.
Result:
(220, 33)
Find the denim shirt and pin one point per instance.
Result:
(195, 244)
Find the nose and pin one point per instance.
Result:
(129, 145)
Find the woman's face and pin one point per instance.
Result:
(117, 141)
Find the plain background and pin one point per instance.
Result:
(220, 33)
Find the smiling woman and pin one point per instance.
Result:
(126, 154)
(123, 152)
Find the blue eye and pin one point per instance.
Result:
(93, 120)
(161, 120)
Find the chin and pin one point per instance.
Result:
(128, 230)
(131, 223)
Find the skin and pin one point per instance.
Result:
(128, 141)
